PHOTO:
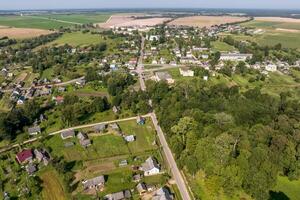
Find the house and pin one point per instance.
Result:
(97, 182)
(118, 195)
(137, 178)
(162, 193)
(205, 78)
(38, 155)
(235, 56)
(140, 120)
(271, 68)
(115, 126)
(153, 38)
(80, 83)
(150, 167)
(141, 188)
(67, 134)
(59, 100)
(186, 72)
(164, 76)
(129, 138)
(34, 130)
(83, 140)
(116, 109)
(123, 163)
(100, 128)
(31, 168)
(24, 156)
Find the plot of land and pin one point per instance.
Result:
(277, 19)
(288, 188)
(206, 21)
(78, 39)
(130, 20)
(80, 18)
(52, 187)
(22, 32)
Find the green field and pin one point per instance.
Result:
(31, 22)
(81, 18)
(78, 39)
(286, 188)
(272, 36)
(222, 46)
(52, 21)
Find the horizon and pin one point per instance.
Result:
(144, 4)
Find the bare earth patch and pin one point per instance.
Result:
(20, 33)
(130, 20)
(288, 30)
(277, 19)
(206, 21)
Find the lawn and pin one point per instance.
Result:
(30, 22)
(52, 186)
(145, 135)
(286, 188)
(81, 18)
(78, 39)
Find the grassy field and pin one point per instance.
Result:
(286, 188)
(30, 22)
(81, 18)
(222, 46)
(52, 186)
(273, 35)
(78, 39)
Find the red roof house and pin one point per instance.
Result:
(24, 156)
(59, 99)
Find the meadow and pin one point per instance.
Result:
(80, 18)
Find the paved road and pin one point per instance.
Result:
(54, 84)
(9, 147)
(167, 151)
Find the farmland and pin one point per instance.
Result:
(206, 21)
(80, 18)
(21, 33)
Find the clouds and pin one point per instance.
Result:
(52, 4)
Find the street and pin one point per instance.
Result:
(176, 174)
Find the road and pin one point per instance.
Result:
(165, 147)
(9, 147)
(54, 84)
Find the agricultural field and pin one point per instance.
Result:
(31, 22)
(276, 30)
(22, 33)
(222, 46)
(80, 18)
(206, 21)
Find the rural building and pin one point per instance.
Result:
(129, 138)
(235, 56)
(100, 128)
(162, 193)
(153, 38)
(59, 100)
(271, 68)
(186, 72)
(116, 109)
(67, 134)
(34, 130)
(140, 120)
(137, 178)
(38, 155)
(141, 188)
(31, 168)
(150, 167)
(164, 76)
(97, 182)
(123, 163)
(24, 156)
(83, 139)
(118, 195)
(115, 126)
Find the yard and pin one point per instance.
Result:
(52, 186)
(286, 189)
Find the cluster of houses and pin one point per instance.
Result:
(31, 158)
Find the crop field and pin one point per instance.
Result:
(206, 21)
(21, 33)
(222, 46)
(52, 187)
(80, 18)
(30, 22)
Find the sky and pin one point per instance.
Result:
(81, 4)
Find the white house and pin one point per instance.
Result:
(153, 37)
(150, 167)
(271, 68)
(164, 76)
(186, 72)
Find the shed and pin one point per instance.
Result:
(34, 130)
(67, 134)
